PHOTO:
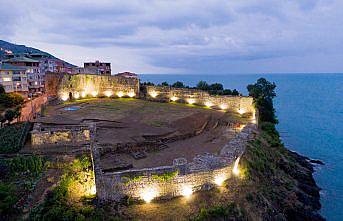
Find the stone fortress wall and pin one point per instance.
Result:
(66, 86)
(44, 134)
(181, 179)
(240, 104)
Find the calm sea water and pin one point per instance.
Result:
(310, 111)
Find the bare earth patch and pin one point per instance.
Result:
(134, 133)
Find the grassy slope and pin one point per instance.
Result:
(279, 184)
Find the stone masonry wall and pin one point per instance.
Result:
(202, 173)
(81, 85)
(233, 103)
(59, 135)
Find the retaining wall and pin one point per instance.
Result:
(199, 97)
(77, 86)
(59, 135)
(181, 178)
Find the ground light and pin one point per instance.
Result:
(223, 106)
(219, 179)
(76, 95)
(64, 97)
(208, 104)
(186, 191)
(148, 194)
(241, 111)
(174, 98)
(153, 94)
(94, 93)
(191, 101)
(235, 169)
(131, 94)
(108, 93)
(93, 190)
(120, 94)
(83, 94)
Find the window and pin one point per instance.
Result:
(6, 79)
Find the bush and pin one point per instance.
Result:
(10, 100)
(7, 199)
(225, 212)
(61, 203)
(11, 137)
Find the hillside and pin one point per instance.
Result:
(22, 49)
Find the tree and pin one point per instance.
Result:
(11, 100)
(178, 84)
(9, 115)
(165, 83)
(216, 87)
(202, 85)
(235, 92)
(263, 93)
(2, 89)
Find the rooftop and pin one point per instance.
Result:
(8, 67)
(21, 59)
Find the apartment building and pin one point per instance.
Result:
(14, 79)
(97, 67)
(34, 74)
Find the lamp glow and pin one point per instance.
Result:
(83, 94)
(219, 179)
(93, 190)
(223, 106)
(153, 94)
(94, 93)
(148, 194)
(120, 94)
(131, 94)
(191, 101)
(108, 93)
(174, 98)
(208, 104)
(64, 97)
(235, 169)
(241, 111)
(76, 95)
(186, 191)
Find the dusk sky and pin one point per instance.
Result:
(193, 36)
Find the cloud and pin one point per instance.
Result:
(182, 36)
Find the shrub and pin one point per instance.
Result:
(12, 137)
(9, 100)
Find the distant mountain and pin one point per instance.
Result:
(7, 47)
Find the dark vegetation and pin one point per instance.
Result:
(224, 212)
(213, 89)
(12, 137)
(13, 103)
(18, 176)
(263, 93)
(68, 201)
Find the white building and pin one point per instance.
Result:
(14, 79)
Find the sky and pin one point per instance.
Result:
(183, 36)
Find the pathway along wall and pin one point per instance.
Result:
(241, 104)
(180, 179)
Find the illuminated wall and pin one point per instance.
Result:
(78, 86)
(43, 135)
(181, 179)
(240, 104)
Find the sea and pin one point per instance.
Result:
(310, 112)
